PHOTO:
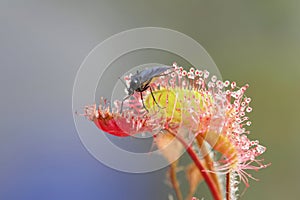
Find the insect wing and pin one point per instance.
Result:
(148, 74)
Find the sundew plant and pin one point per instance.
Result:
(192, 111)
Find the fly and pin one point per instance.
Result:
(140, 82)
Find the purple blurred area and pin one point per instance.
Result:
(42, 47)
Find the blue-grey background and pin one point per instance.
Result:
(42, 44)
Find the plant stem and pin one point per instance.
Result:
(210, 183)
(208, 162)
(174, 180)
(228, 186)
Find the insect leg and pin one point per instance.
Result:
(143, 101)
(123, 83)
(123, 102)
(154, 97)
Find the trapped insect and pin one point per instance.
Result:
(140, 82)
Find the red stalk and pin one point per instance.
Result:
(228, 186)
(210, 183)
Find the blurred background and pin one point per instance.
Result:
(43, 43)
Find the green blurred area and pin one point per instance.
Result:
(255, 42)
